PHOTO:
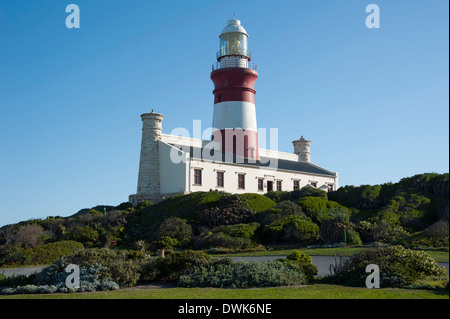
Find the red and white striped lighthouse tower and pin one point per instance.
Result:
(234, 76)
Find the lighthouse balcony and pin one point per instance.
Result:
(234, 63)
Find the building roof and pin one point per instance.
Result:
(233, 25)
(265, 161)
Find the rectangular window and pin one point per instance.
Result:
(330, 187)
(296, 184)
(260, 184)
(314, 184)
(197, 176)
(220, 179)
(241, 181)
(279, 186)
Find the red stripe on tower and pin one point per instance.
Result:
(234, 76)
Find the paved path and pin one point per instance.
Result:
(322, 263)
(20, 271)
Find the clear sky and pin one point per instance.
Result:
(374, 102)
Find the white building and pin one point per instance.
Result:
(232, 161)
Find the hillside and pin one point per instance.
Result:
(413, 212)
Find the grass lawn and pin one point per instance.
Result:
(315, 291)
(440, 256)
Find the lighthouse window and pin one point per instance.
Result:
(233, 43)
(241, 181)
(260, 184)
(220, 179)
(279, 186)
(197, 176)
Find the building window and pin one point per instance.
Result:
(314, 184)
(261, 184)
(241, 181)
(330, 187)
(279, 186)
(220, 179)
(197, 177)
(296, 184)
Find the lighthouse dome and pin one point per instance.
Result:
(233, 25)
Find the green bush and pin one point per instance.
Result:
(434, 236)
(353, 238)
(123, 266)
(176, 228)
(11, 255)
(293, 229)
(399, 267)
(52, 252)
(298, 255)
(320, 210)
(301, 262)
(295, 195)
(176, 264)
(240, 230)
(257, 202)
(243, 275)
(53, 279)
(381, 232)
(222, 239)
(83, 234)
(165, 242)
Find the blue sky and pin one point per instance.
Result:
(374, 102)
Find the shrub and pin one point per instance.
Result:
(320, 210)
(222, 239)
(243, 275)
(241, 230)
(257, 202)
(399, 267)
(176, 264)
(83, 234)
(11, 255)
(29, 235)
(434, 236)
(293, 229)
(52, 252)
(295, 195)
(123, 266)
(281, 210)
(302, 262)
(297, 255)
(353, 238)
(177, 228)
(381, 232)
(53, 279)
(166, 242)
(15, 280)
(332, 231)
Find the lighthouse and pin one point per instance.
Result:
(173, 165)
(234, 120)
